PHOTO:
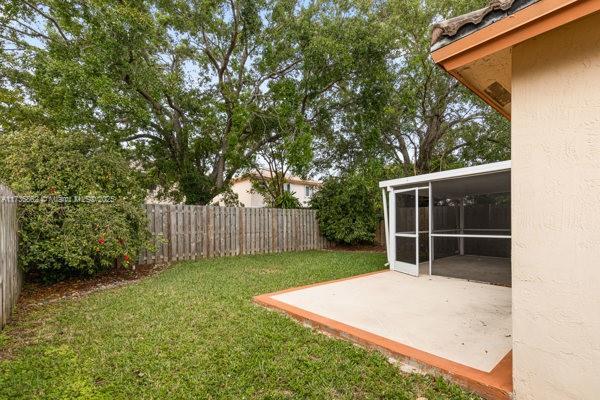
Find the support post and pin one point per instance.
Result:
(392, 228)
(385, 224)
(461, 216)
(417, 228)
(430, 219)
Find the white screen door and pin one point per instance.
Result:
(406, 234)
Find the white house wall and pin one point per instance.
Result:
(300, 193)
(250, 198)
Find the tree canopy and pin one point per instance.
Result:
(410, 113)
(199, 90)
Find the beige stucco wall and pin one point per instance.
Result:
(246, 196)
(556, 213)
(300, 193)
(249, 198)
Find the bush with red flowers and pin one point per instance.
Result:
(85, 212)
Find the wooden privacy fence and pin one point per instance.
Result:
(188, 232)
(10, 274)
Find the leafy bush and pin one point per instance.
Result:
(84, 209)
(272, 191)
(348, 208)
(285, 200)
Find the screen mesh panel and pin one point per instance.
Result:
(405, 212)
(487, 247)
(466, 207)
(445, 247)
(406, 250)
(481, 213)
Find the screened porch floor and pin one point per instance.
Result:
(458, 328)
(494, 270)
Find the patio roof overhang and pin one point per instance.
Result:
(476, 48)
(419, 180)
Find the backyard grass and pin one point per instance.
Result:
(192, 332)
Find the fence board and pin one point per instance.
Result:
(184, 232)
(10, 274)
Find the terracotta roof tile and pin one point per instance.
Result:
(455, 28)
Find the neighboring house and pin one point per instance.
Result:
(538, 64)
(302, 189)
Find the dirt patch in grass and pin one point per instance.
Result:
(376, 248)
(37, 293)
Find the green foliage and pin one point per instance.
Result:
(286, 200)
(197, 89)
(409, 112)
(193, 332)
(288, 156)
(201, 91)
(348, 208)
(230, 199)
(272, 190)
(84, 209)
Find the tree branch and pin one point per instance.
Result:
(141, 136)
(48, 17)
(33, 33)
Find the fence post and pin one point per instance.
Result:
(10, 273)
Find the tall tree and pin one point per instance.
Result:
(278, 161)
(195, 87)
(413, 115)
(432, 116)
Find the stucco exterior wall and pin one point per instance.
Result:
(247, 196)
(556, 213)
(250, 198)
(300, 193)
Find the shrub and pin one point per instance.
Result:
(273, 192)
(285, 200)
(66, 226)
(348, 208)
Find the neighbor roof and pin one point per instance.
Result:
(266, 174)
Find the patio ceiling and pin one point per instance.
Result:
(424, 179)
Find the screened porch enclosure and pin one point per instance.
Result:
(453, 223)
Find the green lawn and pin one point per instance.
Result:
(192, 332)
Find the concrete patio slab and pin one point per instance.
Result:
(461, 329)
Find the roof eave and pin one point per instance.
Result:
(456, 28)
(533, 20)
(528, 22)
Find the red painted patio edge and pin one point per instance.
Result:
(493, 385)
